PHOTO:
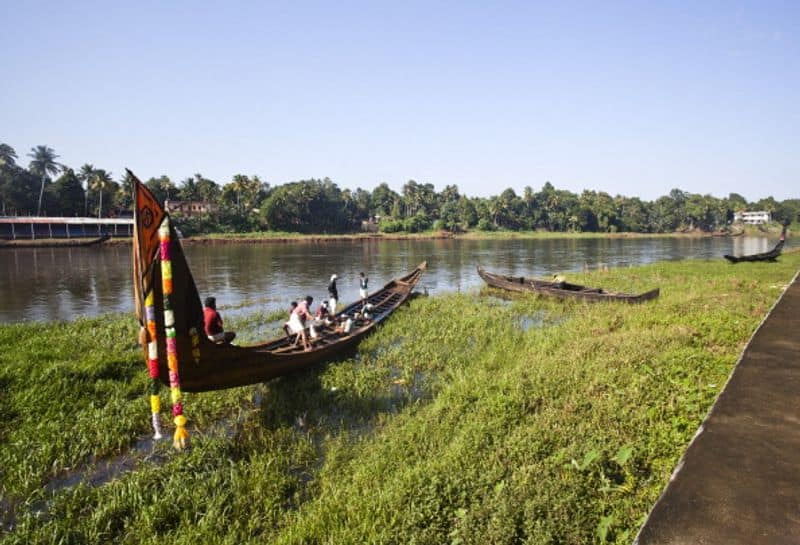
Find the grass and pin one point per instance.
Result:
(451, 424)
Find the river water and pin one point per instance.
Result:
(48, 284)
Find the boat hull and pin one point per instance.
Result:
(219, 366)
(770, 256)
(562, 290)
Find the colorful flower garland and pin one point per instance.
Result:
(152, 364)
(181, 435)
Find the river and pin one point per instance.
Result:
(47, 284)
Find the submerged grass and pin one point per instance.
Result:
(452, 424)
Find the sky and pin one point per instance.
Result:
(630, 98)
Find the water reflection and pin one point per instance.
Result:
(61, 283)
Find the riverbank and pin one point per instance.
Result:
(280, 237)
(523, 419)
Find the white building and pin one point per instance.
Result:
(752, 218)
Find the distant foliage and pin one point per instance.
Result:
(309, 206)
(247, 204)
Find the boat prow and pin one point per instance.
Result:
(175, 338)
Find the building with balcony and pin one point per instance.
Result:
(752, 218)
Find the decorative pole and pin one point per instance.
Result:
(181, 434)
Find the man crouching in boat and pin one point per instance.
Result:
(297, 322)
(213, 323)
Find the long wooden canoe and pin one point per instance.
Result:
(771, 255)
(564, 290)
(53, 242)
(205, 365)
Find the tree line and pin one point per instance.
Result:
(247, 203)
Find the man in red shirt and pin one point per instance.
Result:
(213, 323)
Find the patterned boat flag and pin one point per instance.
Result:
(147, 217)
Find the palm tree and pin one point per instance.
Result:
(86, 173)
(43, 164)
(99, 181)
(7, 155)
(238, 185)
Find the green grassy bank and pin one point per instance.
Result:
(465, 419)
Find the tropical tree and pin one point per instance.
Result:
(736, 202)
(18, 190)
(235, 188)
(308, 206)
(199, 188)
(633, 214)
(8, 157)
(43, 164)
(666, 215)
(769, 204)
(122, 198)
(605, 209)
(162, 187)
(7, 167)
(449, 218)
(449, 194)
(244, 192)
(100, 182)
(67, 194)
(362, 200)
(411, 198)
(467, 212)
(788, 211)
(384, 200)
(187, 190)
(85, 174)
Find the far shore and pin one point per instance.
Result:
(286, 237)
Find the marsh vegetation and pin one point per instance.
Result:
(464, 419)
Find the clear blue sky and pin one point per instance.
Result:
(632, 98)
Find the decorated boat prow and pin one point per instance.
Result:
(180, 355)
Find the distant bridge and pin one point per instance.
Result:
(33, 227)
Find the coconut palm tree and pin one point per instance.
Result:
(237, 186)
(100, 181)
(7, 156)
(85, 174)
(43, 164)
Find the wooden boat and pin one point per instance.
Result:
(205, 365)
(771, 255)
(54, 242)
(563, 290)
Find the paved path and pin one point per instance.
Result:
(739, 481)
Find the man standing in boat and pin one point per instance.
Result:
(362, 288)
(333, 294)
(213, 323)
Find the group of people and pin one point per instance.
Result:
(302, 324)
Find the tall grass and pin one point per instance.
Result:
(451, 424)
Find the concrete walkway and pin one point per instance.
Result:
(739, 481)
